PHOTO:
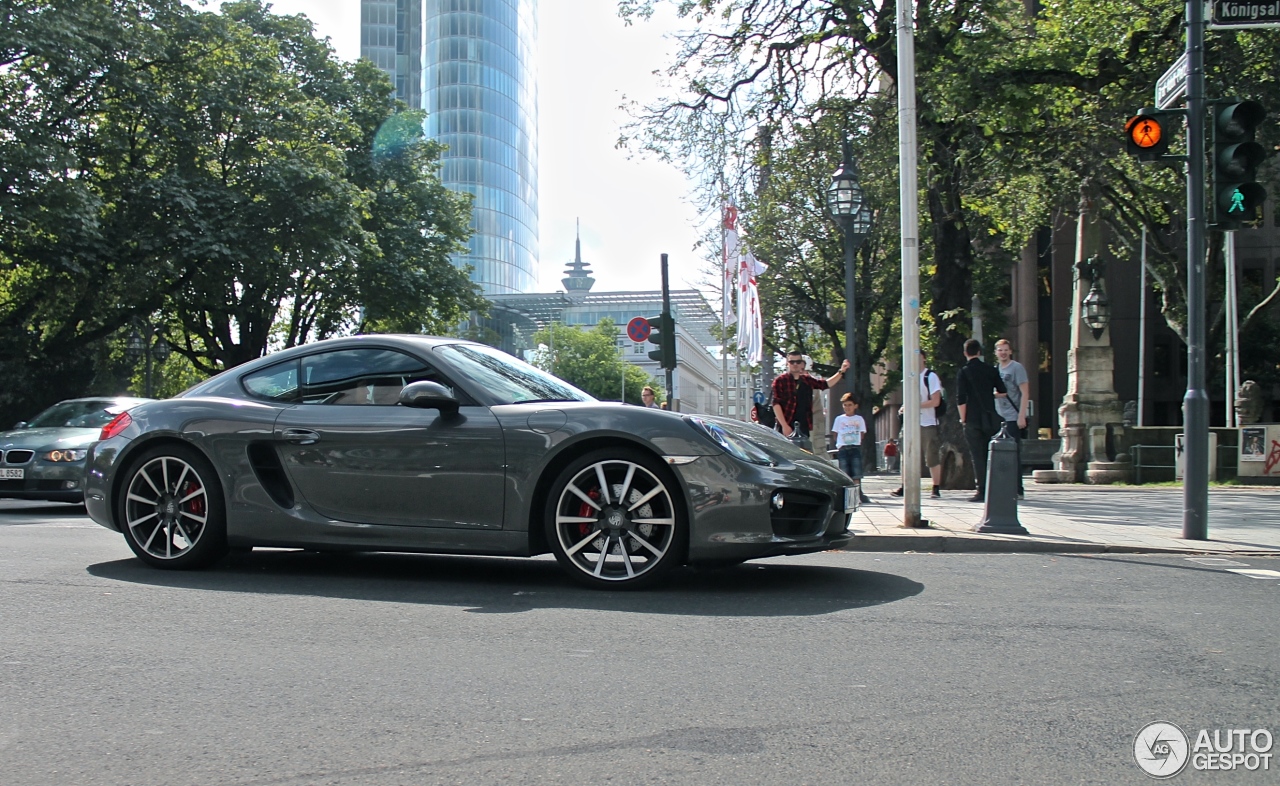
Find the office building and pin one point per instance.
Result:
(471, 65)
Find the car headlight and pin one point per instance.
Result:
(735, 446)
(64, 455)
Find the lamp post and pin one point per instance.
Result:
(848, 207)
(151, 346)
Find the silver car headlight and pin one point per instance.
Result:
(64, 455)
(739, 448)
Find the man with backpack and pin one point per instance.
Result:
(931, 408)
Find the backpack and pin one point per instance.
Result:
(941, 409)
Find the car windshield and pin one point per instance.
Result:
(507, 378)
(77, 414)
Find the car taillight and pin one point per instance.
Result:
(118, 423)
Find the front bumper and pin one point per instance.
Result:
(44, 480)
(733, 516)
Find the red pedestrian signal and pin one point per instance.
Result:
(1147, 133)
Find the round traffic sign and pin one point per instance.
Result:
(638, 329)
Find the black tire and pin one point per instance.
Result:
(171, 509)
(636, 540)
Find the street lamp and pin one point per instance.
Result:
(151, 346)
(848, 207)
(1096, 310)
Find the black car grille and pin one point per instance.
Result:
(18, 456)
(12, 485)
(802, 514)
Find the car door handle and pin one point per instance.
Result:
(301, 436)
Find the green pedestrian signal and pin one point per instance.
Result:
(1236, 157)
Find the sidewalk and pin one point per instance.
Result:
(1074, 519)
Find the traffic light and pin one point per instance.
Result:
(662, 334)
(1236, 195)
(1147, 133)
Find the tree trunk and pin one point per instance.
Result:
(952, 297)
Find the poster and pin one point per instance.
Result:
(1253, 444)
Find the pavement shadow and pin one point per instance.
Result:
(41, 512)
(498, 585)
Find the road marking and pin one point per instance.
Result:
(1257, 574)
(1216, 561)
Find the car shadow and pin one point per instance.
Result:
(502, 586)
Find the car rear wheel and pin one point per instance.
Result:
(171, 509)
(612, 519)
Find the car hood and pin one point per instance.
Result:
(51, 438)
(781, 447)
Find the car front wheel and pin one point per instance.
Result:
(171, 509)
(612, 520)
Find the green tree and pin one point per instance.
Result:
(588, 359)
(222, 174)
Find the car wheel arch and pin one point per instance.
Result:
(569, 453)
(140, 446)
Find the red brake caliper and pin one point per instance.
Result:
(585, 510)
(195, 505)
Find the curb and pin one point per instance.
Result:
(958, 544)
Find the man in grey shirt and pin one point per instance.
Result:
(1013, 407)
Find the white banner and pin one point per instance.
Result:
(730, 263)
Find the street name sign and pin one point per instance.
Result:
(1172, 85)
(1234, 14)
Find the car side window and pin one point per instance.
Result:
(276, 383)
(353, 377)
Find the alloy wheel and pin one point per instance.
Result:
(166, 507)
(615, 521)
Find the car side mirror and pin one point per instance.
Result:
(429, 395)
(20, 424)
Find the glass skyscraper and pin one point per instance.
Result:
(470, 64)
(481, 96)
(391, 36)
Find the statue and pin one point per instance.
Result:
(1130, 413)
(1250, 401)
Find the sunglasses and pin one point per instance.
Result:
(796, 362)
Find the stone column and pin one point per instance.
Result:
(1091, 409)
(1026, 300)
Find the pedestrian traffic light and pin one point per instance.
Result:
(1147, 133)
(662, 334)
(1236, 194)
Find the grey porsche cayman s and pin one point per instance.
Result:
(437, 445)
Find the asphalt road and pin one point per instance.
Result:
(840, 668)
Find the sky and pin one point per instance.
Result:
(632, 209)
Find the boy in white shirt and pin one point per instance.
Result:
(849, 429)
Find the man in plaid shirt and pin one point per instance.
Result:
(793, 397)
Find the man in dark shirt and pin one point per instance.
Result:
(793, 397)
(977, 386)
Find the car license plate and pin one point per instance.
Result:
(851, 498)
(12, 474)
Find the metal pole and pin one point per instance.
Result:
(1235, 324)
(666, 309)
(910, 231)
(149, 346)
(1195, 404)
(1229, 345)
(1142, 331)
(724, 312)
(850, 309)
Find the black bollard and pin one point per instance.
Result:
(1000, 514)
